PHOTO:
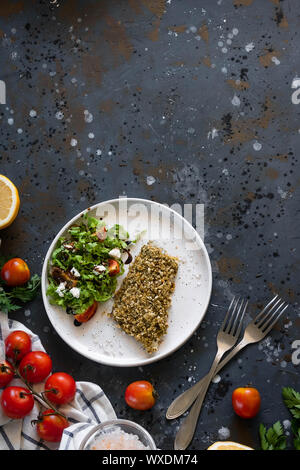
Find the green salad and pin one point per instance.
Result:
(86, 263)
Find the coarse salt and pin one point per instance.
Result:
(118, 440)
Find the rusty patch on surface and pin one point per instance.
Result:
(107, 106)
(272, 173)
(242, 3)
(93, 69)
(266, 59)
(154, 34)
(243, 130)
(10, 8)
(239, 85)
(280, 19)
(178, 29)
(206, 61)
(143, 168)
(203, 32)
(157, 7)
(230, 267)
(136, 6)
(115, 35)
(285, 293)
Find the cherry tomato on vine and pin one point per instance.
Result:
(246, 402)
(62, 386)
(15, 272)
(35, 366)
(16, 402)
(113, 267)
(140, 395)
(6, 373)
(17, 345)
(50, 426)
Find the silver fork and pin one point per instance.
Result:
(226, 339)
(255, 331)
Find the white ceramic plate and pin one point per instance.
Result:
(100, 339)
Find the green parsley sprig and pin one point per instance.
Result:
(274, 438)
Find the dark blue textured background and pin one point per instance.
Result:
(174, 93)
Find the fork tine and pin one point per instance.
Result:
(267, 308)
(236, 319)
(239, 326)
(274, 319)
(232, 317)
(227, 315)
(267, 331)
(265, 321)
(268, 312)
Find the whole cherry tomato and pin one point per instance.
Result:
(50, 426)
(113, 267)
(246, 402)
(62, 386)
(85, 316)
(17, 345)
(140, 395)
(35, 366)
(15, 272)
(6, 373)
(16, 402)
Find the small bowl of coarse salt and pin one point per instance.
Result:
(118, 434)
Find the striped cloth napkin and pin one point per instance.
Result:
(89, 407)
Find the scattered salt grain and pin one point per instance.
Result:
(257, 146)
(224, 433)
(216, 379)
(249, 47)
(236, 101)
(59, 115)
(150, 180)
(88, 117)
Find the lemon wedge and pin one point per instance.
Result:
(228, 445)
(9, 202)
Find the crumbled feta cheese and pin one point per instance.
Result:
(69, 246)
(61, 289)
(75, 272)
(115, 253)
(75, 291)
(98, 269)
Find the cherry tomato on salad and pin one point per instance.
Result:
(85, 316)
(246, 402)
(6, 373)
(35, 366)
(50, 426)
(140, 395)
(16, 402)
(15, 272)
(17, 345)
(113, 267)
(62, 388)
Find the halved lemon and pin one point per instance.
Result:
(228, 445)
(9, 202)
